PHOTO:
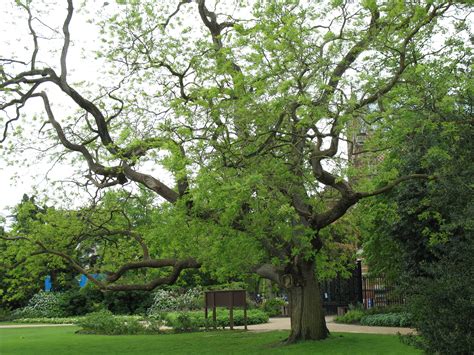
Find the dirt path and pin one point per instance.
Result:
(8, 326)
(275, 324)
(284, 324)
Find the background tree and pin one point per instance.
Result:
(421, 235)
(21, 276)
(247, 112)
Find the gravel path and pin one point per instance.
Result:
(275, 324)
(36, 325)
(284, 324)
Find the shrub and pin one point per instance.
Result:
(388, 320)
(42, 304)
(254, 316)
(81, 301)
(273, 306)
(442, 301)
(169, 301)
(351, 317)
(396, 308)
(5, 315)
(104, 322)
(184, 322)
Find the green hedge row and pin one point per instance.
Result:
(394, 316)
(254, 316)
(388, 320)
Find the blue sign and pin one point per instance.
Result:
(48, 284)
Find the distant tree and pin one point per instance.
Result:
(21, 276)
(422, 235)
(247, 112)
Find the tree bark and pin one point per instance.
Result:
(306, 308)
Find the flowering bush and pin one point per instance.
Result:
(169, 301)
(43, 304)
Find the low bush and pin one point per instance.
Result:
(81, 301)
(388, 320)
(43, 304)
(254, 316)
(5, 315)
(273, 306)
(184, 322)
(169, 301)
(351, 317)
(396, 308)
(104, 322)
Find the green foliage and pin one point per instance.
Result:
(396, 308)
(104, 322)
(5, 315)
(273, 306)
(125, 302)
(19, 284)
(172, 300)
(197, 318)
(80, 301)
(442, 301)
(183, 322)
(249, 123)
(351, 317)
(422, 234)
(43, 304)
(388, 320)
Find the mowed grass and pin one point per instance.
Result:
(63, 340)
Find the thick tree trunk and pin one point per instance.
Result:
(306, 309)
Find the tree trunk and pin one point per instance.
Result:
(306, 308)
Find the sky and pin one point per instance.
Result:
(15, 39)
(36, 174)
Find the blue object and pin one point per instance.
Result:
(48, 285)
(48, 282)
(83, 281)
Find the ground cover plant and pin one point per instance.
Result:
(63, 340)
(388, 320)
(104, 322)
(197, 318)
(390, 316)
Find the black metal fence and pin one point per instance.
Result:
(341, 292)
(358, 289)
(378, 292)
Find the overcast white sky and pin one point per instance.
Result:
(15, 39)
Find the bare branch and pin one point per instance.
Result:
(67, 40)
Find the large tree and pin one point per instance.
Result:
(246, 107)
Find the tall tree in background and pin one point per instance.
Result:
(246, 108)
(422, 235)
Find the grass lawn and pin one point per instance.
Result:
(63, 340)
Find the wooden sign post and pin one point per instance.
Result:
(226, 298)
